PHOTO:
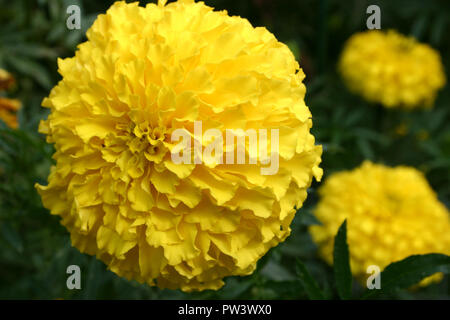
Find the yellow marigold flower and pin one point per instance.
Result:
(392, 69)
(423, 135)
(142, 74)
(6, 80)
(8, 109)
(391, 213)
(401, 129)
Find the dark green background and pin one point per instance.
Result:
(35, 250)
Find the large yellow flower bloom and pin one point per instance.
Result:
(391, 213)
(391, 69)
(143, 73)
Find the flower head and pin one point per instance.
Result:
(391, 213)
(6, 80)
(8, 107)
(391, 69)
(142, 74)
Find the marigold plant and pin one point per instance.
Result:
(143, 73)
(392, 69)
(391, 213)
(8, 107)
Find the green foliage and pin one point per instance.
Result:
(309, 284)
(410, 271)
(342, 272)
(402, 274)
(35, 249)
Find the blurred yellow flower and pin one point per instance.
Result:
(401, 129)
(391, 213)
(392, 69)
(423, 135)
(143, 73)
(6, 80)
(8, 107)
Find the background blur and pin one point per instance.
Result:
(35, 249)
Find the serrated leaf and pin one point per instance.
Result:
(342, 272)
(410, 271)
(309, 284)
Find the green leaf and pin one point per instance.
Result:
(307, 218)
(32, 69)
(342, 272)
(419, 26)
(275, 271)
(438, 29)
(410, 271)
(235, 288)
(309, 284)
(365, 148)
